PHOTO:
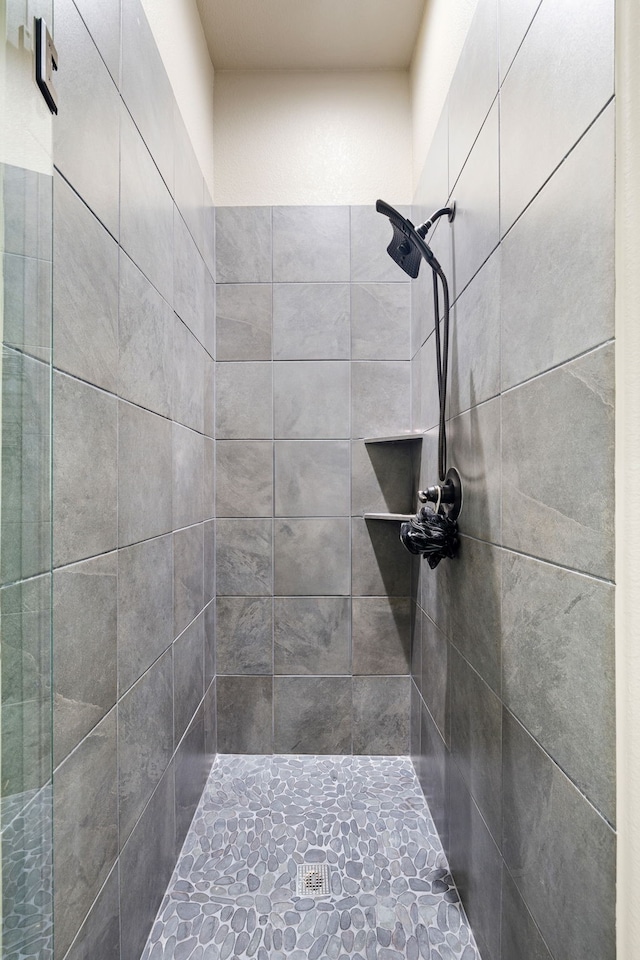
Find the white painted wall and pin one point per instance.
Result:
(307, 137)
(628, 474)
(444, 29)
(178, 33)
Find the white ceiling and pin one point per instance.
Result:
(311, 34)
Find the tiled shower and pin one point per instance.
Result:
(214, 587)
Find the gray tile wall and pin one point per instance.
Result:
(25, 561)
(512, 657)
(134, 579)
(314, 609)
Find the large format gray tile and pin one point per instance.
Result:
(85, 602)
(244, 401)
(468, 591)
(380, 564)
(146, 862)
(311, 321)
(382, 477)
(103, 22)
(99, 935)
(559, 851)
(188, 477)
(86, 133)
(311, 635)
(312, 478)
(244, 478)
(26, 466)
(544, 112)
(209, 537)
(244, 635)
(243, 321)
(26, 685)
(188, 377)
(210, 721)
(192, 767)
(381, 636)
(476, 740)
(145, 87)
(244, 557)
(144, 474)
(433, 774)
(433, 679)
(189, 185)
(476, 865)
(27, 212)
(310, 244)
(245, 710)
(311, 557)
(145, 740)
(475, 339)
(380, 398)
(146, 219)
(514, 19)
(311, 400)
(85, 292)
(188, 278)
(210, 642)
(312, 715)
(474, 85)
(243, 245)
(145, 341)
(380, 321)
(188, 676)
(370, 237)
(84, 470)
(558, 669)
(145, 606)
(519, 935)
(381, 715)
(474, 449)
(557, 294)
(188, 576)
(86, 834)
(476, 228)
(557, 470)
(26, 286)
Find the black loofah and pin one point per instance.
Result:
(431, 534)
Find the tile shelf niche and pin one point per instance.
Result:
(396, 438)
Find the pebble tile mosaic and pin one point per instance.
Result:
(233, 892)
(27, 876)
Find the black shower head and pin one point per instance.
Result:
(403, 247)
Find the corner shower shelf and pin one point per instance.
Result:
(388, 516)
(413, 435)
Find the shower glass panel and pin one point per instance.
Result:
(26, 926)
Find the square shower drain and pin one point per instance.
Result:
(312, 880)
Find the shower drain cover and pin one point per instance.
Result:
(312, 880)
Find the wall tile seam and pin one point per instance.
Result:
(610, 341)
(531, 736)
(566, 776)
(511, 62)
(610, 100)
(131, 403)
(452, 187)
(122, 694)
(529, 556)
(180, 635)
(114, 870)
(319, 676)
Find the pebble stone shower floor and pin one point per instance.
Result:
(233, 891)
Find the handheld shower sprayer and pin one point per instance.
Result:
(428, 533)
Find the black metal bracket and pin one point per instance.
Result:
(46, 63)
